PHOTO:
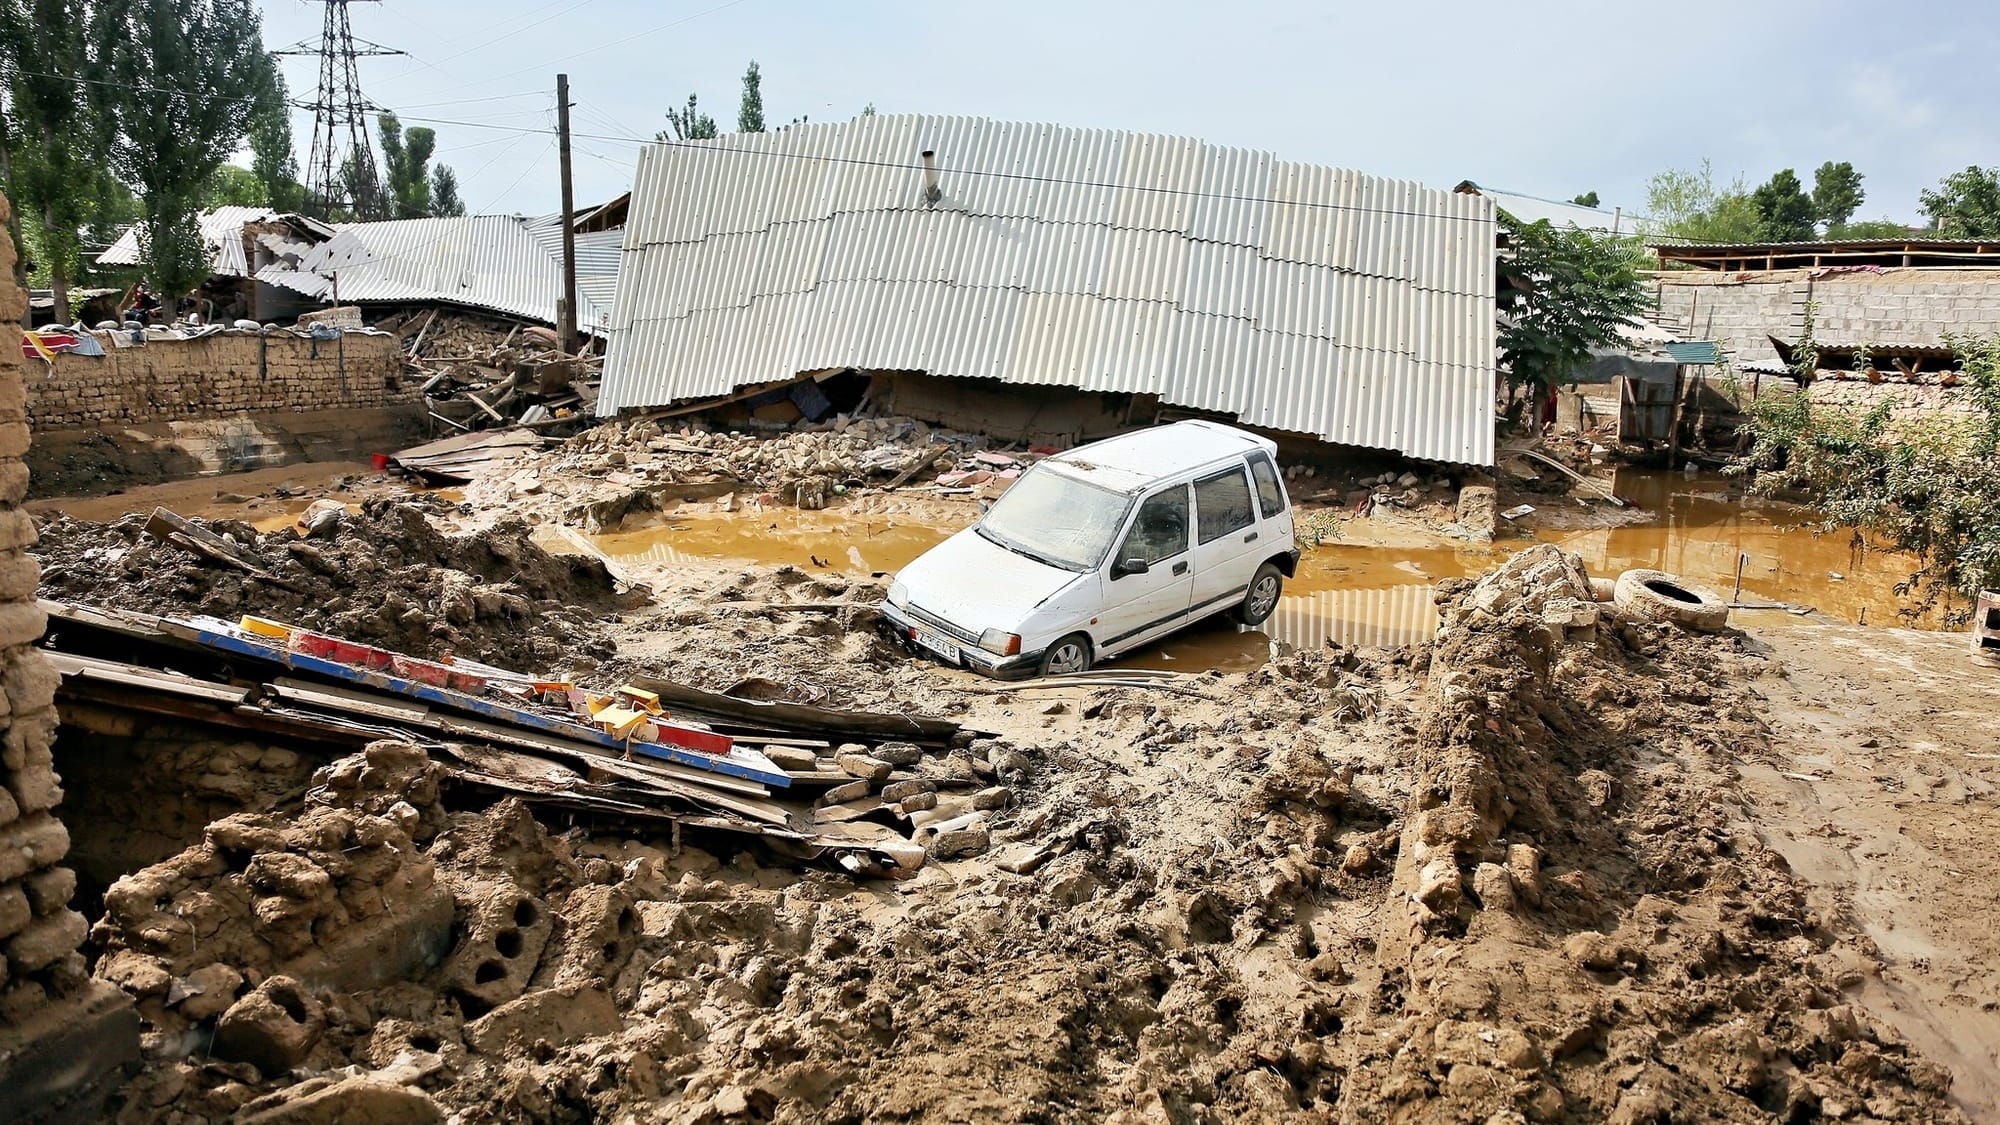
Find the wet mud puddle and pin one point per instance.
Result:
(1351, 591)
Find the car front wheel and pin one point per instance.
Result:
(1068, 655)
(1261, 600)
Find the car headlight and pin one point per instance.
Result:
(899, 595)
(999, 643)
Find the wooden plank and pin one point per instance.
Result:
(148, 679)
(800, 718)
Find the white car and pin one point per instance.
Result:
(1102, 549)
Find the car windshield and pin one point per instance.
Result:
(1056, 519)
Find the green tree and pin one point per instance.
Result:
(406, 155)
(1870, 228)
(1925, 484)
(1965, 204)
(750, 113)
(1784, 210)
(271, 142)
(689, 124)
(233, 186)
(445, 202)
(57, 131)
(1687, 206)
(1574, 291)
(184, 75)
(1587, 199)
(1836, 193)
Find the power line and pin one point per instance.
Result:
(518, 30)
(537, 68)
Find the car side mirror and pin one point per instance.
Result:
(1130, 566)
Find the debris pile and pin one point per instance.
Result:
(479, 372)
(384, 575)
(1503, 877)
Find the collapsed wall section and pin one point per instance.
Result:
(60, 1032)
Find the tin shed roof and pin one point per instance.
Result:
(1298, 297)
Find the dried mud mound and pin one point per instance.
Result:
(385, 576)
(1504, 878)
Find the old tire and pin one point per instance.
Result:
(1260, 600)
(1655, 595)
(1067, 656)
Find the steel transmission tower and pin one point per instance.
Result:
(340, 119)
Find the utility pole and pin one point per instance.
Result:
(566, 313)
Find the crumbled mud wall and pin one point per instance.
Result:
(217, 376)
(139, 790)
(60, 1032)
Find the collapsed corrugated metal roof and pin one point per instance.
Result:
(1298, 297)
(222, 237)
(502, 263)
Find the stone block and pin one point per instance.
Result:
(17, 530)
(559, 1015)
(272, 1029)
(30, 682)
(19, 573)
(864, 767)
(45, 941)
(346, 1102)
(15, 911)
(35, 788)
(50, 889)
(30, 844)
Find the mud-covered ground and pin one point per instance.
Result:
(1556, 866)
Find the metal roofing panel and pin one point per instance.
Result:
(1318, 300)
(221, 235)
(500, 263)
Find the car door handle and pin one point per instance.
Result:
(1250, 538)
(1180, 568)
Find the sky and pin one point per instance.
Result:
(1541, 98)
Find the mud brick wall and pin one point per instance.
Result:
(39, 933)
(215, 377)
(1899, 306)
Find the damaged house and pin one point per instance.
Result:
(937, 265)
(285, 265)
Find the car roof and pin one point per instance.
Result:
(1130, 462)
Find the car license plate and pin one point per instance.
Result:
(938, 643)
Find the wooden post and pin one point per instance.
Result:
(566, 314)
(1674, 420)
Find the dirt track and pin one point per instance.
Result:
(1883, 791)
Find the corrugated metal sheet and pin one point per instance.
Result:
(1358, 617)
(221, 234)
(495, 262)
(1323, 301)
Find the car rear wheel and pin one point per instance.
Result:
(1068, 655)
(1261, 600)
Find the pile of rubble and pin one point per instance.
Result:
(479, 372)
(384, 575)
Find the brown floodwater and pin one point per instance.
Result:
(1360, 594)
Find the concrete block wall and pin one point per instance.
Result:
(1898, 306)
(214, 377)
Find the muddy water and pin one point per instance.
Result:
(1356, 593)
